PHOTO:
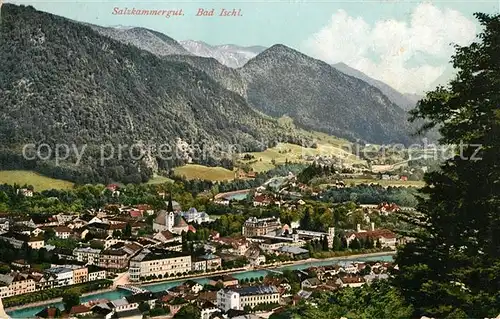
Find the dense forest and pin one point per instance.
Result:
(63, 83)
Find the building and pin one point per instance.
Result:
(16, 283)
(25, 192)
(96, 274)
(166, 236)
(207, 309)
(121, 305)
(210, 261)
(88, 255)
(62, 232)
(351, 281)
(199, 265)
(309, 235)
(80, 274)
(194, 216)
(259, 227)
(238, 298)
(17, 240)
(113, 259)
(310, 283)
(63, 276)
(386, 237)
(80, 310)
(226, 281)
(164, 221)
(169, 221)
(293, 252)
(158, 262)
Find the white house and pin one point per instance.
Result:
(87, 255)
(64, 276)
(207, 309)
(194, 216)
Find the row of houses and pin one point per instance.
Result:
(17, 283)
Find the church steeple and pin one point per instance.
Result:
(170, 206)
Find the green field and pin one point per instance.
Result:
(38, 181)
(193, 171)
(328, 147)
(157, 179)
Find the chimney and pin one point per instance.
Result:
(358, 228)
(372, 226)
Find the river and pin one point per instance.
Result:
(117, 294)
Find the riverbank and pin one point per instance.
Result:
(240, 271)
(116, 282)
(57, 300)
(264, 267)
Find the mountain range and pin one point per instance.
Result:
(228, 54)
(237, 56)
(64, 82)
(341, 105)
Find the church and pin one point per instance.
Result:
(168, 220)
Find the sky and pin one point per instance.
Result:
(406, 44)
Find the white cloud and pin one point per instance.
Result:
(408, 56)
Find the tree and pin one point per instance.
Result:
(127, 232)
(378, 300)
(144, 307)
(355, 244)
(451, 269)
(117, 233)
(49, 234)
(324, 243)
(337, 244)
(188, 312)
(71, 299)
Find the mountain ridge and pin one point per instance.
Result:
(231, 55)
(404, 100)
(63, 82)
(282, 81)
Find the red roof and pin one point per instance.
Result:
(79, 309)
(135, 213)
(261, 199)
(143, 207)
(167, 234)
(112, 187)
(62, 229)
(117, 226)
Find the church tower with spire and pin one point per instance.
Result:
(170, 216)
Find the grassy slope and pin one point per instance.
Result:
(157, 179)
(326, 146)
(194, 171)
(38, 181)
(294, 153)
